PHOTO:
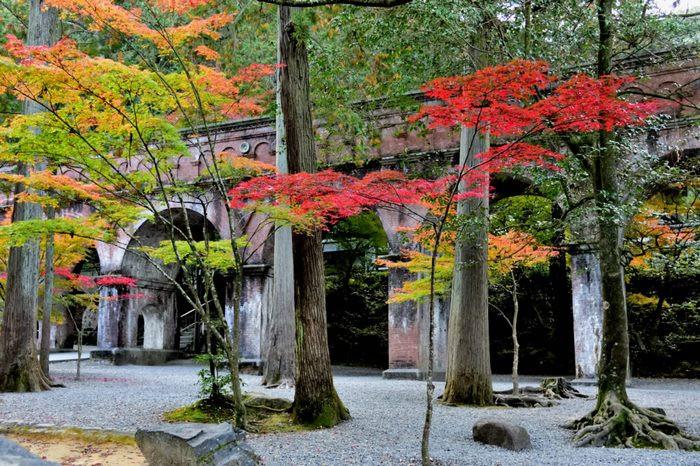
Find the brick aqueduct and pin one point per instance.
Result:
(145, 329)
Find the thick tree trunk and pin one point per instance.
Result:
(616, 421)
(279, 344)
(612, 373)
(48, 299)
(19, 365)
(315, 399)
(468, 377)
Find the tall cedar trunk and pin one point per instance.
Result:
(279, 349)
(612, 372)
(468, 377)
(19, 366)
(48, 299)
(315, 399)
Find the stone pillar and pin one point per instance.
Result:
(408, 334)
(404, 331)
(586, 293)
(253, 319)
(108, 315)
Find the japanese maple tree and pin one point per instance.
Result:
(115, 124)
(520, 102)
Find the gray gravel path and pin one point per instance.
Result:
(386, 424)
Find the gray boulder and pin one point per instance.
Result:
(196, 444)
(501, 434)
(12, 454)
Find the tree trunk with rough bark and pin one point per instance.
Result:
(48, 299)
(616, 421)
(19, 365)
(279, 350)
(315, 399)
(468, 377)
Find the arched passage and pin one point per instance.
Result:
(357, 291)
(163, 310)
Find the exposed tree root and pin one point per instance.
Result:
(554, 388)
(616, 423)
(521, 401)
(282, 383)
(558, 388)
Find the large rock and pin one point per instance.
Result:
(501, 434)
(196, 444)
(12, 454)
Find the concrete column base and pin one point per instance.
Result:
(136, 356)
(411, 374)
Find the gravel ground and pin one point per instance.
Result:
(386, 424)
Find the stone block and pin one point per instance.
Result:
(12, 454)
(501, 434)
(196, 444)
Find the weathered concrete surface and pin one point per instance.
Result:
(196, 444)
(501, 434)
(587, 306)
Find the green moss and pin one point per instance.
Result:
(327, 418)
(207, 411)
(332, 413)
(259, 418)
(73, 433)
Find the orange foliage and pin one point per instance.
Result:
(106, 15)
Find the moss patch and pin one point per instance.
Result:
(263, 415)
(73, 433)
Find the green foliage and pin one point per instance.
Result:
(216, 384)
(215, 255)
(17, 233)
(529, 214)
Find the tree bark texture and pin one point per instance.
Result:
(48, 299)
(279, 344)
(616, 421)
(19, 365)
(468, 377)
(612, 372)
(315, 400)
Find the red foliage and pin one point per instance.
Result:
(64, 49)
(584, 104)
(330, 196)
(75, 280)
(116, 280)
(503, 100)
(492, 98)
